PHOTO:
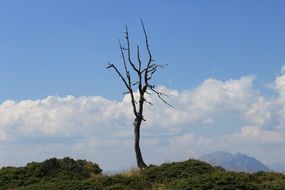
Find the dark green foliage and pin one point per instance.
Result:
(61, 185)
(49, 170)
(177, 170)
(138, 182)
(66, 168)
(217, 180)
(68, 174)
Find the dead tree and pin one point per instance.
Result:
(137, 78)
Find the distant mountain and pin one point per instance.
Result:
(277, 167)
(234, 162)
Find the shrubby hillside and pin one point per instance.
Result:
(61, 174)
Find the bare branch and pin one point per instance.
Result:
(123, 57)
(148, 102)
(146, 43)
(129, 84)
(139, 58)
(139, 73)
(149, 54)
(129, 50)
(135, 83)
(118, 72)
(160, 96)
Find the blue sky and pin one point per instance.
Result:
(61, 47)
(52, 49)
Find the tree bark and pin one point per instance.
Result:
(137, 124)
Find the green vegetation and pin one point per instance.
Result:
(61, 174)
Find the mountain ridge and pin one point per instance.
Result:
(234, 162)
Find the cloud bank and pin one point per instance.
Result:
(229, 115)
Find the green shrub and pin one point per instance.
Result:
(66, 168)
(174, 170)
(138, 182)
(69, 174)
(51, 170)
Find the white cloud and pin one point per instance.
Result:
(87, 126)
(257, 135)
(211, 98)
(63, 116)
(259, 112)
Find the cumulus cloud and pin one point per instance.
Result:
(211, 98)
(86, 126)
(259, 112)
(63, 116)
(257, 135)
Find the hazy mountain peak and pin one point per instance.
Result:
(234, 162)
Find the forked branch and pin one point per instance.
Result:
(141, 73)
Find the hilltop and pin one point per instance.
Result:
(61, 174)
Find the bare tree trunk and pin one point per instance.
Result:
(137, 124)
(140, 76)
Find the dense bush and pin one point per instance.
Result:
(175, 170)
(66, 167)
(69, 174)
(50, 170)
